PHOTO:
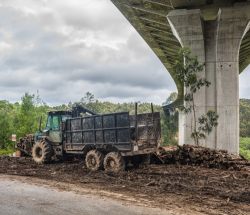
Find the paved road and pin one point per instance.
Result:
(17, 198)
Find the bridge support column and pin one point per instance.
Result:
(216, 43)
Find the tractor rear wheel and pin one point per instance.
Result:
(94, 160)
(42, 152)
(114, 162)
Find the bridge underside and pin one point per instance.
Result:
(218, 33)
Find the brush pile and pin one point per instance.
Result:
(201, 156)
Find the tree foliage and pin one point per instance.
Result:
(245, 147)
(6, 110)
(245, 117)
(188, 69)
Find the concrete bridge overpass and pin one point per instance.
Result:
(217, 31)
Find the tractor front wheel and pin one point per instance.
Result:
(42, 152)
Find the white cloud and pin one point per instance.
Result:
(66, 48)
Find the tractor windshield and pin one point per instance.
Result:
(53, 122)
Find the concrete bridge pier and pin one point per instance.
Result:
(217, 44)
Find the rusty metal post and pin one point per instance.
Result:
(152, 108)
(153, 123)
(136, 124)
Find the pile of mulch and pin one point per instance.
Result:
(201, 156)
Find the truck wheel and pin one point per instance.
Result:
(94, 160)
(114, 162)
(42, 152)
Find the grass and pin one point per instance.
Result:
(245, 147)
(6, 151)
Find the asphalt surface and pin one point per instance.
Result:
(18, 198)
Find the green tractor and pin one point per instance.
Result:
(39, 145)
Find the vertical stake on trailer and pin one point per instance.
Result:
(152, 110)
(153, 124)
(136, 124)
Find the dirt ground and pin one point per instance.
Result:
(185, 189)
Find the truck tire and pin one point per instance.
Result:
(94, 160)
(114, 162)
(42, 152)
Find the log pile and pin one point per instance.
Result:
(201, 156)
(25, 144)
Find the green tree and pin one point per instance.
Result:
(88, 98)
(170, 123)
(172, 97)
(26, 121)
(5, 124)
(187, 69)
(245, 117)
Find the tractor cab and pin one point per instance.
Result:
(56, 121)
(53, 129)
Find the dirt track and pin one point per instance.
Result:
(187, 189)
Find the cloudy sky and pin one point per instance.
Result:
(65, 48)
